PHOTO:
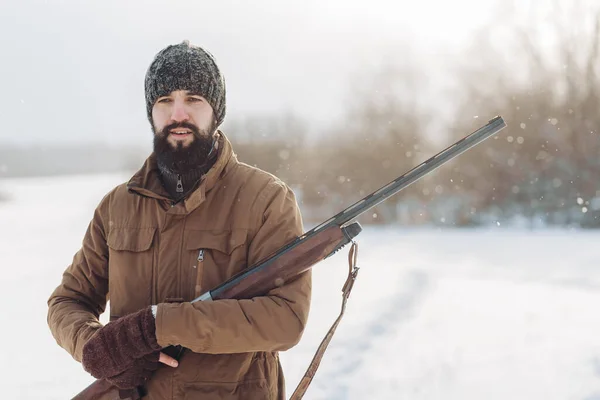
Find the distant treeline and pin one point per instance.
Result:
(543, 169)
(48, 160)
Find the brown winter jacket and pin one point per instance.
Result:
(140, 249)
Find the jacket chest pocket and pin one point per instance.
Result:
(130, 269)
(214, 256)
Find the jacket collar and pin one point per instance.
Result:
(146, 181)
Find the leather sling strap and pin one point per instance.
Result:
(314, 364)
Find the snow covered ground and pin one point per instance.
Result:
(435, 314)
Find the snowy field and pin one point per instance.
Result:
(435, 314)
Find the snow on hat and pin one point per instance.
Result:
(185, 67)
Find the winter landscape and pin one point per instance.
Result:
(494, 313)
(480, 281)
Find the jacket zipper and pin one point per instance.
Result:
(199, 267)
(179, 187)
(179, 270)
(155, 270)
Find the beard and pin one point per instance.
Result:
(181, 159)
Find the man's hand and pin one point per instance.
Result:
(168, 360)
(141, 370)
(139, 373)
(117, 345)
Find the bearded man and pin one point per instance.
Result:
(189, 219)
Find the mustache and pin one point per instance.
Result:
(195, 131)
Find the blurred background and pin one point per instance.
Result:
(336, 97)
(491, 260)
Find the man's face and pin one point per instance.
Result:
(183, 126)
(175, 116)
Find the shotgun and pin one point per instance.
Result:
(303, 252)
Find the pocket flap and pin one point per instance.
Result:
(130, 239)
(223, 241)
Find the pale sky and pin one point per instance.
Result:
(72, 71)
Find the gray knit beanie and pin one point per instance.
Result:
(186, 67)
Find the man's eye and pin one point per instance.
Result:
(164, 100)
(194, 99)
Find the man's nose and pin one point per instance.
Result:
(179, 113)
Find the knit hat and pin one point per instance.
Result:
(185, 67)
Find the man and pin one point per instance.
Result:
(189, 219)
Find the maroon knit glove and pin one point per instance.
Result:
(138, 374)
(116, 346)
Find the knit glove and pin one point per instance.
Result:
(138, 374)
(117, 345)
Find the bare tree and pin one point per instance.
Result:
(274, 143)
(545, 165)
(381, 136)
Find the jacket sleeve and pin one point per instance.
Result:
(76, 304)
(274, 322)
